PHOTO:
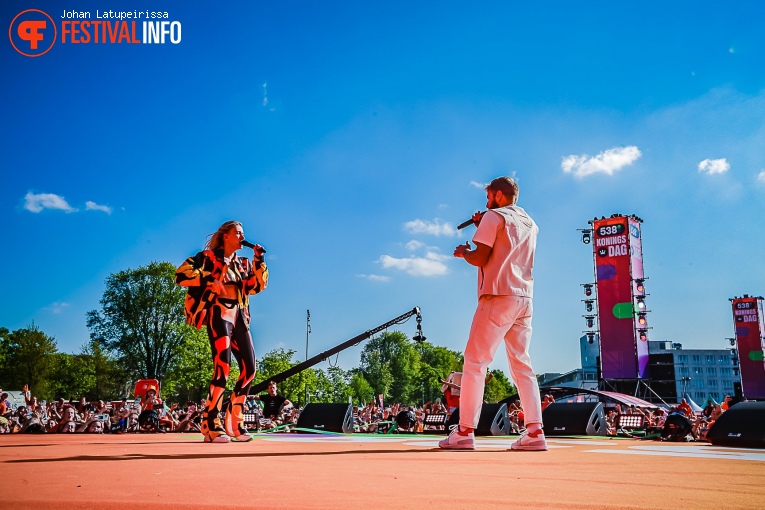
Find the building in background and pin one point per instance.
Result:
(700, 374)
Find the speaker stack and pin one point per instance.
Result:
(493, 421)
(327, 418)
(574, 419)
(741, 425)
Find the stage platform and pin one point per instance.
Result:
(362, 472)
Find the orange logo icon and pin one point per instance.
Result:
(32, 33)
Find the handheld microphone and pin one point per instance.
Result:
(465, 224)
(468, 222)
(248, 244)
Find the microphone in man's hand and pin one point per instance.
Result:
(468, 222)
(465, 224)
(248, 244)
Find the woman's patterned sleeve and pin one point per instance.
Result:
(196, 271)
(257, 279)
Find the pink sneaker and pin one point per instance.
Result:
(456, 441)
(529, 443)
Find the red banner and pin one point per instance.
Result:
(616, 312)
(750, 332)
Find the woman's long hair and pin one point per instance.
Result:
(215, 241)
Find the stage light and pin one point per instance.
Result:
(640, 286)
(642, 321)
(586, 235)
(641, 304)
(732, 341)
(587, 289)
(591, 338)
(643, 335)
(590, 320)
(588, 305)
(419, 337)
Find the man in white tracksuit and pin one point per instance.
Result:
(505, 242)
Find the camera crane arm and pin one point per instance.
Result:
(261, 386)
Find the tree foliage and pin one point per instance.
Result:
(361, 390)
(141, 318)
(28, 358)
(275, 362)
(498, 388)
(436, 362)
(188, 377)
(391, 365)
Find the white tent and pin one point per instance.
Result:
(694, 405)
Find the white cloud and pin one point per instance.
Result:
(414, 245)
(374, 277)
(477, 184)
(761, 176)
(434, 228)
(265, 98)
(430, 265)
(714, 166)
(57, 308)
(92, 206)
(37, 202)
(607, 162)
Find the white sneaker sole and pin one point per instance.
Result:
(456, 446)
(529, 448)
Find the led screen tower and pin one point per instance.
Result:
(620, 287)
(750, 343)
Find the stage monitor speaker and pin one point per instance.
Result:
(327, 418)
(493, 421)
(741, 425)
(574, 419)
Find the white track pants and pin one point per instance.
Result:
(497, 318)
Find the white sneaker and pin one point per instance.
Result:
(531, 443)
(456, 441)
(243, 437)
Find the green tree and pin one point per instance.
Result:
(390, 364)
(141, 318)
(498, 388)
(29, 356)
(339, 389)
(4, 343)
(322, 388)
(188, 377)
(436, 363)
(277, 361)
(71, 376)
(330, 385)
(110, 377)
(361, 391)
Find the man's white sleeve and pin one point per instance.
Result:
(488, 228)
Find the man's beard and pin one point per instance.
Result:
(492, 204)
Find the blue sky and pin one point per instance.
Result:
(351, 137)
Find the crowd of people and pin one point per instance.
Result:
(273, 412)
(685, 423)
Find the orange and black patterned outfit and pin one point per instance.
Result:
(228, 328)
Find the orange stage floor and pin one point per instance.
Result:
(363, 472)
